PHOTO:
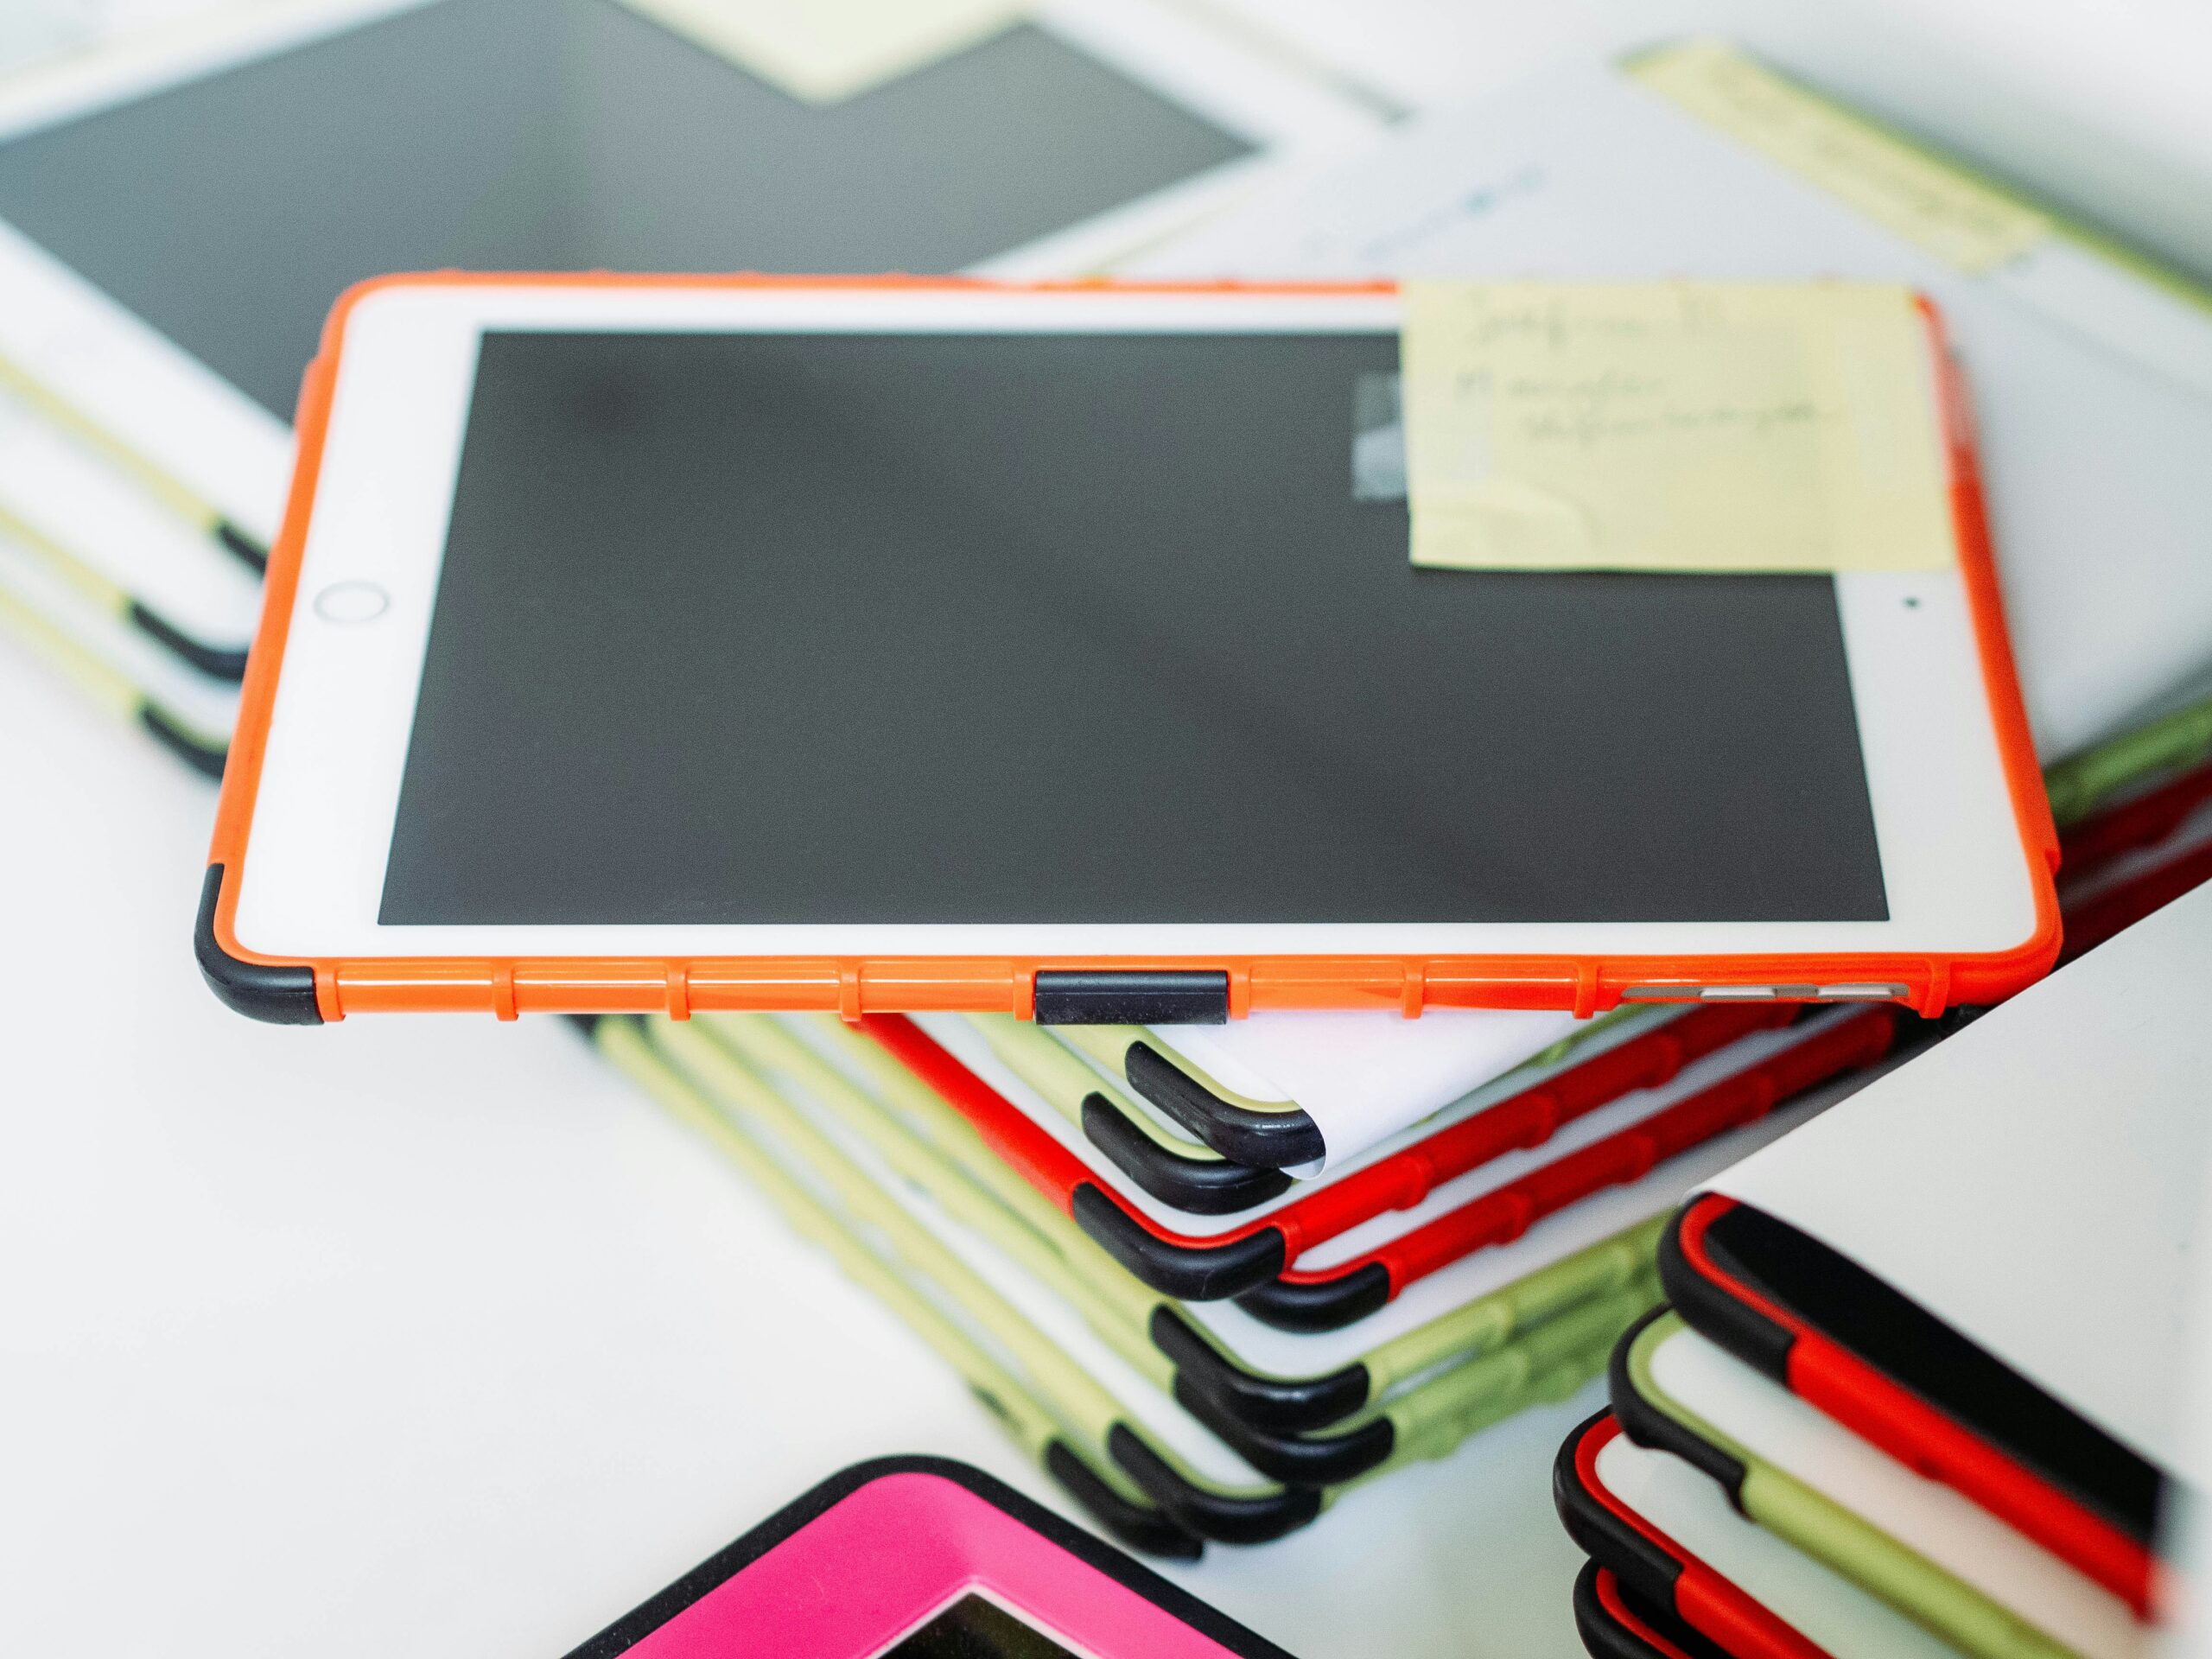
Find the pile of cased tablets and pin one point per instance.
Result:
(1893, 1412)
(1210, 1277)
(1201, 1344)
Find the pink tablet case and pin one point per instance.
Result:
(896, 1542)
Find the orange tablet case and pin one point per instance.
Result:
(1162, 989)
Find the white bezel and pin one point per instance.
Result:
(192, 426)
(1952, 858)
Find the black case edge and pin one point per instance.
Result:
(282, 993)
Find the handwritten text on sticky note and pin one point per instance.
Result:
(825, 51)
(1673, 426)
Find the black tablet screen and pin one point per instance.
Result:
(1052, 628)
(973, 1628)
(564, 135)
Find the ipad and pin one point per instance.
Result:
(921, 1558)
(1668, 1534)
(185, 205)
(2018, 1337)
(1873, 1519)
(497, 763)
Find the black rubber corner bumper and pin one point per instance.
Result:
(1318, 1304)
(1279, 1405)
(281, 993)
(217, 662)
(1204, 1273)
(1204, 1187)
(1132, 1524)
(1647, 1425)
(1604, 1636)
(205, 759)
(1322, 1460)
(1281, 1140)
(1225, 1518)
(1715, 1314)
(1638, 1561)
(243, 547)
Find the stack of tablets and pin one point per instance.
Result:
(1204, 1345)
(949, 1182)
(178, 211)
(1211, 1276)
(1921, 1388)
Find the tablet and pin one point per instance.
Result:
(466, 789)
(2018, 1337)
(1116, 1417)
(921, 1558)
(1668, 1534)
(1098, 1381)
(149, 185)
(1345, 1279)
(1308, 1379)
(1918, 1545)
(2091, 368)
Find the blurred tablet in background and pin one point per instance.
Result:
(224, 180)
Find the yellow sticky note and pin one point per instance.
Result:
(1673, 426)
(1930, 202)
(825, 51)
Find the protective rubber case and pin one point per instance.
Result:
(1962, 1417)
(1807, 1519)
(1164, 990)
(1651, 1566)
(893, 1552)
(1253, 1263)
(1614, 1623)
